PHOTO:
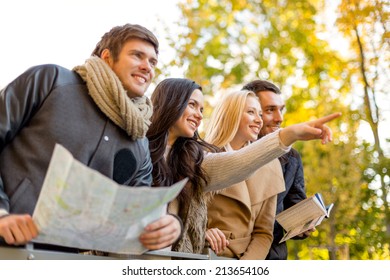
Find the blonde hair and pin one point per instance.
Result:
(226, 117)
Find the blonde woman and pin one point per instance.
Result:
(241, 217)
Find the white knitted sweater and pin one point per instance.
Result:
(229, 168)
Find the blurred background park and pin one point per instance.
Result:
(325, 55)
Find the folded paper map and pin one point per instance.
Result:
(79, 207)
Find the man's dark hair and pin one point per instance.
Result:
(261, 85)
(119, 35)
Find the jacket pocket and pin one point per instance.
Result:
(239, 245)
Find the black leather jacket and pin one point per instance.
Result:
(49, 104)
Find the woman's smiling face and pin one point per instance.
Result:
(190, 120)
(250, 123)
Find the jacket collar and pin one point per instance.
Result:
(263, 184)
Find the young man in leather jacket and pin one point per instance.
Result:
(97, 111)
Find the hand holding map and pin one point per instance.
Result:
(79, 207)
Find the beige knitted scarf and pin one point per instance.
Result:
(131, 114)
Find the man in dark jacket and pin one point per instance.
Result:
(272, 107)
(97, 111)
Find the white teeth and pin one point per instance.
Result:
(140, 79)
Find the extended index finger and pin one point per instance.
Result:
(328, 118)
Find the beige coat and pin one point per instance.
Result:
(245, 212)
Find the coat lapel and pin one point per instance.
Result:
(263, 184)
(240, 193)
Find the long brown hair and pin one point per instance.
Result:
(170, 99)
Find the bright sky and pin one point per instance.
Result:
(65, 32)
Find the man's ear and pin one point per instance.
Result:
(106, 56)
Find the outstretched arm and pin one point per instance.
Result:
(315, 129)
(229, 168)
